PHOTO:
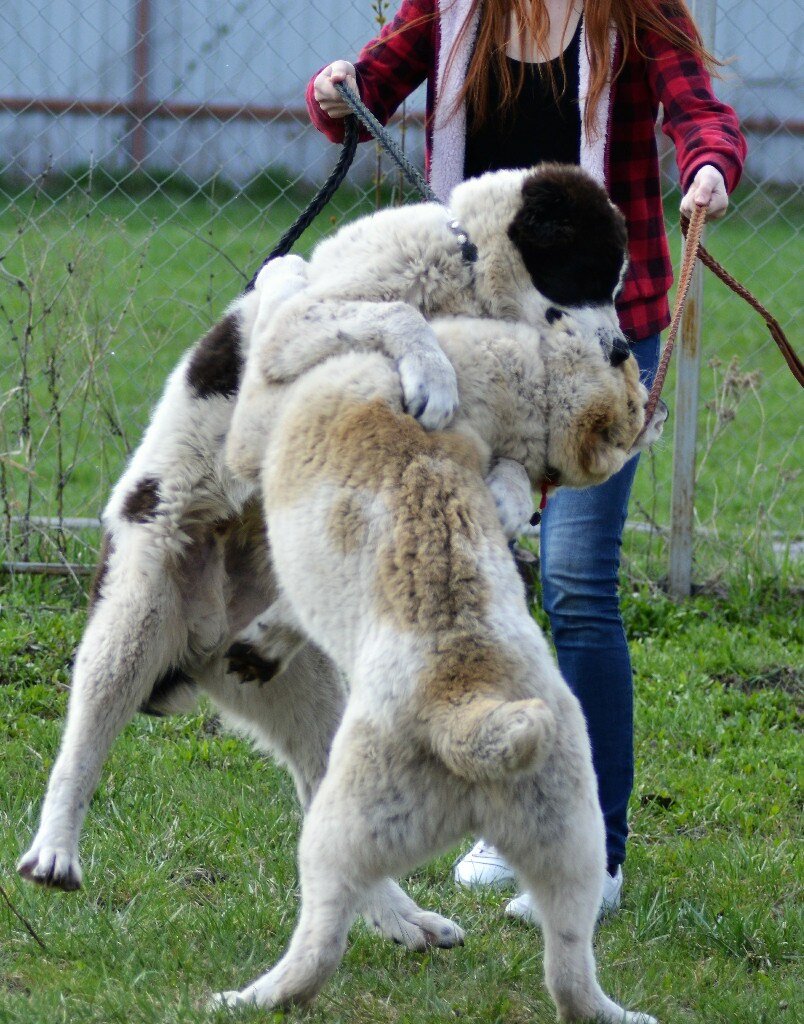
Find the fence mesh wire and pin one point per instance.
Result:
(152, 152)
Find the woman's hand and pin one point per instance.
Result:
(325, 93)
(707, 189)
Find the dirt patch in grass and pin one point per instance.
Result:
(786, 678)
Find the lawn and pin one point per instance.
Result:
(190, 881)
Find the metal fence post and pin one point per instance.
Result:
(139, 95)
(688, 369)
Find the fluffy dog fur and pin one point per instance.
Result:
(185, 568)
(458, 719)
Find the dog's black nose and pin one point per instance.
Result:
(619, 351)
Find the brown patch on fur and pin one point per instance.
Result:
(612, 423)
(631, 424)
(102, 571)
(427, 563)
(361, 444)
(467, 710)
(348, 527)
(428, 574)
(141, 503)
(216, 364)
(465, 665)
(593, 428)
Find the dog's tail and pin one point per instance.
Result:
(482, 739)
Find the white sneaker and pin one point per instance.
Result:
(523, 907)
(483, 866)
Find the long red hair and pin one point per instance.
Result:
(630, 17)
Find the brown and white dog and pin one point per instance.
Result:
(457, 719)
(185, 567)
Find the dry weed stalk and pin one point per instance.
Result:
(62, 342)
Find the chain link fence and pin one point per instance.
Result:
(152, 152)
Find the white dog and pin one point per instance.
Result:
(185, 568)
(458, 719)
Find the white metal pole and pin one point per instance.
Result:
(685, 413)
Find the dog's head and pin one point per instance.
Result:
(596, 409)
(570, 236)
(550, 242)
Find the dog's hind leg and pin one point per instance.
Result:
(356, 829)
(332, 881)
(294, 716)
(560, 857)
(132, 639)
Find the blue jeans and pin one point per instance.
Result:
(581, 537)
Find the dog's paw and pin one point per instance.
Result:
(283, 268)
(655, 427)
(53, 866)
(429, 387)
(280, 279)
(247, 662)
(417, 929)
(610, 1012)
(227, 1001)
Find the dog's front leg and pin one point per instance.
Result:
(127, 646)
(307, 330)
(513, 497)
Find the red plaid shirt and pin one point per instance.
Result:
(703, 130)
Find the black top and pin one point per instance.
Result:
(538, 128)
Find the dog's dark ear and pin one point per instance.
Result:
(569, 235)
(545, 217)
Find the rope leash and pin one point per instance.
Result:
(691, 247)
(319, 200)
(338, 173)
(776, 332)
(691, 229)
(361, 111)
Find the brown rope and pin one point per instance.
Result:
(776, 332)
(691, 247)
(693, 250)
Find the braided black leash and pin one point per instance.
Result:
(319, 200)
(328, 189)
(361, 111)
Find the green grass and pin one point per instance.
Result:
(190, 881)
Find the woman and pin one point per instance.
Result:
(512, 83)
